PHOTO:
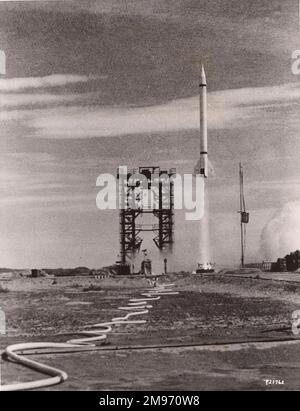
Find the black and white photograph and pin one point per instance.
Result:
(150, 198)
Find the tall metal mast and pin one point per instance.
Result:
(244, 215)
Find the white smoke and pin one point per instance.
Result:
(281, 235)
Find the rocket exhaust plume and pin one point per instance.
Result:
(281, 235)
(204, 239)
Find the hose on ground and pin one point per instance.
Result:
(97, 332)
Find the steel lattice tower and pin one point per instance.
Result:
(160, 185)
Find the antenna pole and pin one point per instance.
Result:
(241, 212)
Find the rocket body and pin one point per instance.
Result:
(203, 126)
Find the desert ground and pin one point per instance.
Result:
(225, 331)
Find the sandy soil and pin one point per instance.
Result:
(208, 309)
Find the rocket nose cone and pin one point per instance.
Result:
(203, 76)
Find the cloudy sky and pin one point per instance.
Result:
(92, 85)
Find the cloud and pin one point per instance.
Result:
(54, 80)
(281, 235)
(46, 199)
(258, 96)
(10, 100)
(227, 109)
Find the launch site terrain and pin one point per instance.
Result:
(224, 330)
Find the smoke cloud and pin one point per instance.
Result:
(281, 235)
(54, 80)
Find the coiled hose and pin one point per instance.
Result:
(16, 352)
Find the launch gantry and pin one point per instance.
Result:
(145, 190)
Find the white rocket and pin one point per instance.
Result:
(203, 126)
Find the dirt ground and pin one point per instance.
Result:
(210, 309)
